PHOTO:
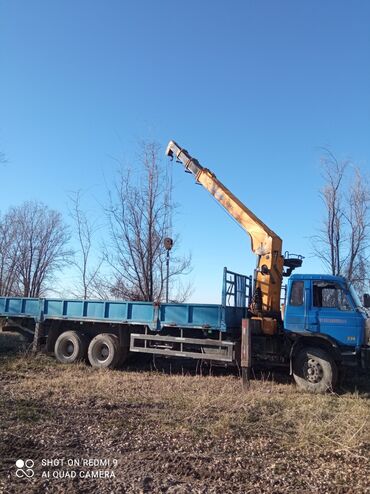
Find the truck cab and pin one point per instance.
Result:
(324, 311)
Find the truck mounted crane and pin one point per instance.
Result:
(266, 244)
(324, 328)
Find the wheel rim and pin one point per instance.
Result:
(313, 371)
(68, 348)
(101, 352)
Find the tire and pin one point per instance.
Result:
(104, 351)
(314, 370)
(70, 347)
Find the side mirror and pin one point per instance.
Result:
(367, 300)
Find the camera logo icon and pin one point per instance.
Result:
(24, 468)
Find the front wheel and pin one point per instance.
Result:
(314, 370)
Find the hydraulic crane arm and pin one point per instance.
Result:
(265, 243)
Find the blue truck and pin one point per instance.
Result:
(318, 328)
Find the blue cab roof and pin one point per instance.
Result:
(325, 277)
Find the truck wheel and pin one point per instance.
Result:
(314, 370)
(70, 347)
(104, 351)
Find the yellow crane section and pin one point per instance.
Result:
(265, 243)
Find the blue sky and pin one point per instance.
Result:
(250, 88)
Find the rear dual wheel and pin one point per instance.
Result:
(71, 347)
(104, 351)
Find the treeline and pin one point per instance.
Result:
(33, 247)
(35, 241)
(343, 241)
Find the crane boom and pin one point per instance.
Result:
(266, 244)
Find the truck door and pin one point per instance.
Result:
(297, 316)
(335, 312)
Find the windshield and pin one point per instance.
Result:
(355, 297)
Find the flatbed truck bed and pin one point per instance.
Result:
(155, 316)
(174, 329)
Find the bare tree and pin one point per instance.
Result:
(358, 219)
(343, 241)
(9, 261)
(32, 249)
(85, 229)
(139, 216)
(329, 242)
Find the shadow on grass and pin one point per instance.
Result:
(350, 381)
(182, 366)
(13, 344)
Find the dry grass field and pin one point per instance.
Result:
(170, 430)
